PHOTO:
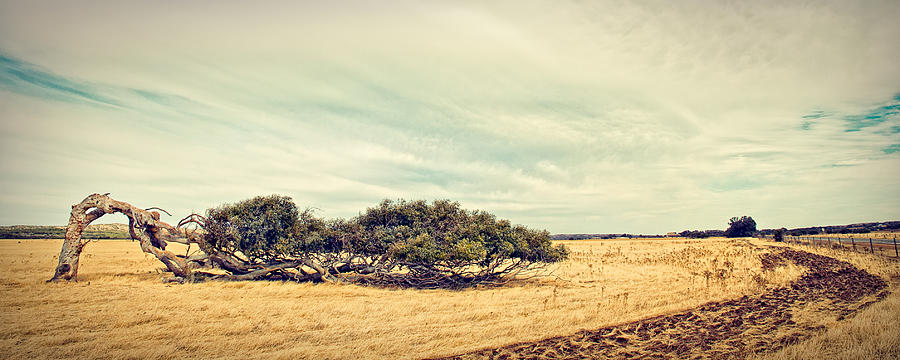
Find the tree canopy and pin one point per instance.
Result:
(404, 243)
(741, 227)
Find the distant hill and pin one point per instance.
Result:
(97, 231)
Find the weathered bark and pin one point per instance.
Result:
(153, 235)
(143, 225)
(313, 265)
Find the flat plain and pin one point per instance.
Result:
(121, 309)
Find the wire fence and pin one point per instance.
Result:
(877, 244)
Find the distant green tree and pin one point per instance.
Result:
(741, 227)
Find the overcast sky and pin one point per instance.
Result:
(597, 116)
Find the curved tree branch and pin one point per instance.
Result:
(144, 226)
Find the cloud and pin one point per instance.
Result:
(20, 77)
(610, 117)
(879, 115)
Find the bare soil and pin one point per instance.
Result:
(829, 291)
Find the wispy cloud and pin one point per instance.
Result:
(23, 78)
(885, 113)
(638, 116)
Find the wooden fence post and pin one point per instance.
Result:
(897, 254)
(840, 243)
(871, 248)
(852, 240)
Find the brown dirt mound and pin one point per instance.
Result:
(725, 329)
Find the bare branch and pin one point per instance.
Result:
(156, 208)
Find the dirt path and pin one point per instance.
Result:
(831, 289)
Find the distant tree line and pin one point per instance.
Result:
(55, 232)
(745, 226)
(601, 236)
(860, 228)
(700, 234)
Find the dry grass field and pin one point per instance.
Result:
(120, 309)
(874, 333)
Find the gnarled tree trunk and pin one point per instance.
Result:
(144, 226)
(325, 264)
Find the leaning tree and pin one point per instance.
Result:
(410, 244)
(250, 240)
(144, 225)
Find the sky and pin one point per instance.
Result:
(575, 117)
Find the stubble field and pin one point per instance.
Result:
(120, 308)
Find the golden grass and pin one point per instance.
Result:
(874, 333)
(121, 309)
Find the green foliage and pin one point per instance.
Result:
(261, 228)
(311, 234)
(741, 227)
(417, 233)
(394, 238)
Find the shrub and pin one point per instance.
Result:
(261, 228)
(779, 234)
(449, 245)
(408, 243)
